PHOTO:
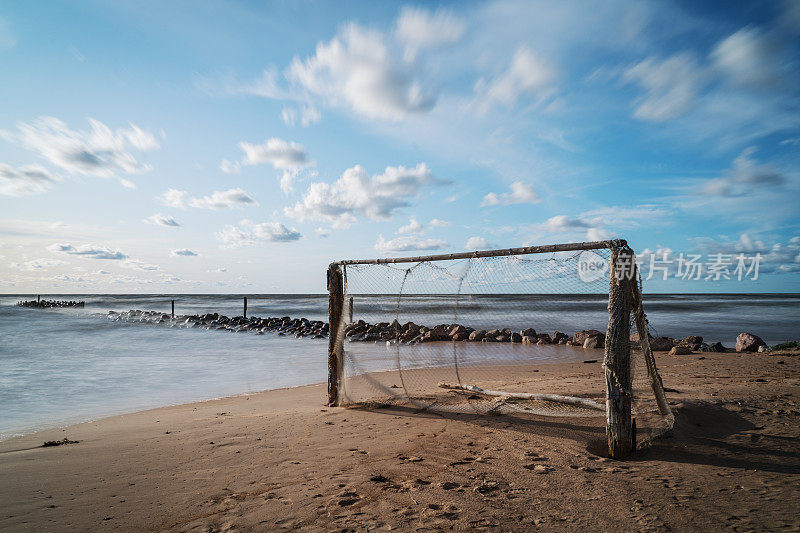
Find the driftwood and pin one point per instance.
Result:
(570, 400)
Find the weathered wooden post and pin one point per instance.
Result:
(38, 298)
(245, 307)
(335, 333)
(173, 308)
(617, 360)
(350, 311)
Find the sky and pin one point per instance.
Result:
(240, 147)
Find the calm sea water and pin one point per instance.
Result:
(61, 366)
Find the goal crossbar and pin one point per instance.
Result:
(569, 247)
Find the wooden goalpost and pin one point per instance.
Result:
(624, 299)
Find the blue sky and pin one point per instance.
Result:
(242, 146)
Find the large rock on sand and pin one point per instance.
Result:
(747, 342)
(581, 336)
(595, 341)
(661, 344)
(680, 350)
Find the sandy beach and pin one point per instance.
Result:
(282, 460)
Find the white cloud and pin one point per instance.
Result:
(413, 227)
(748, 58)
(520, 194)
(745, 176)
(358, 69)
(37, 264)
(477, 243)
(418, 29)
(230, 167)
(323, 232)
(778, 257)
(597, 234)
(671, 86)
(280, 154)
(173, 198)
(135, 264)
(249, 234)
(230, 199)
(528, 75)
(161, 220)
(563, 223)
(308, 115)
(290, 157)
(436, 223)
(100, 151)
(355, 193)
(183, 252)
(265, 86)
(220, 270)
(91, 251)
(599, 224)
(408, 243)
(25, 180)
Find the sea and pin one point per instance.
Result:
(64, 366)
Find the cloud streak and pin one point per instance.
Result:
(25, 180)
(98, 151)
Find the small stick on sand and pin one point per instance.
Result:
(572, 400)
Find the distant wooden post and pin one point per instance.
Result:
(617, 360)
(38, 298)
(173, 308)
(335, 332)
(245, 307)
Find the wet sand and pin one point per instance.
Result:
(281, 460)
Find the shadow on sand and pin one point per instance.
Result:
(705, 433)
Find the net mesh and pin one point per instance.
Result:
(494, 335)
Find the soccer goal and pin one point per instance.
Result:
(540, 331)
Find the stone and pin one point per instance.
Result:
(458, 330)
(516, 337)
(545, 337)
(542, 342)
(747, 342)
(716, 347)
(493, 333)
(680, 350)
(477, 335)
(593, 342)
(527, 339)
(661, 344)
(691, 340)
(529, 332)
(581, 336)
(560, 338)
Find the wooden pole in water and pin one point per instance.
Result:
(38, 298)
(335, 333)
(617, 360)
(173, 308)
(245, 307)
